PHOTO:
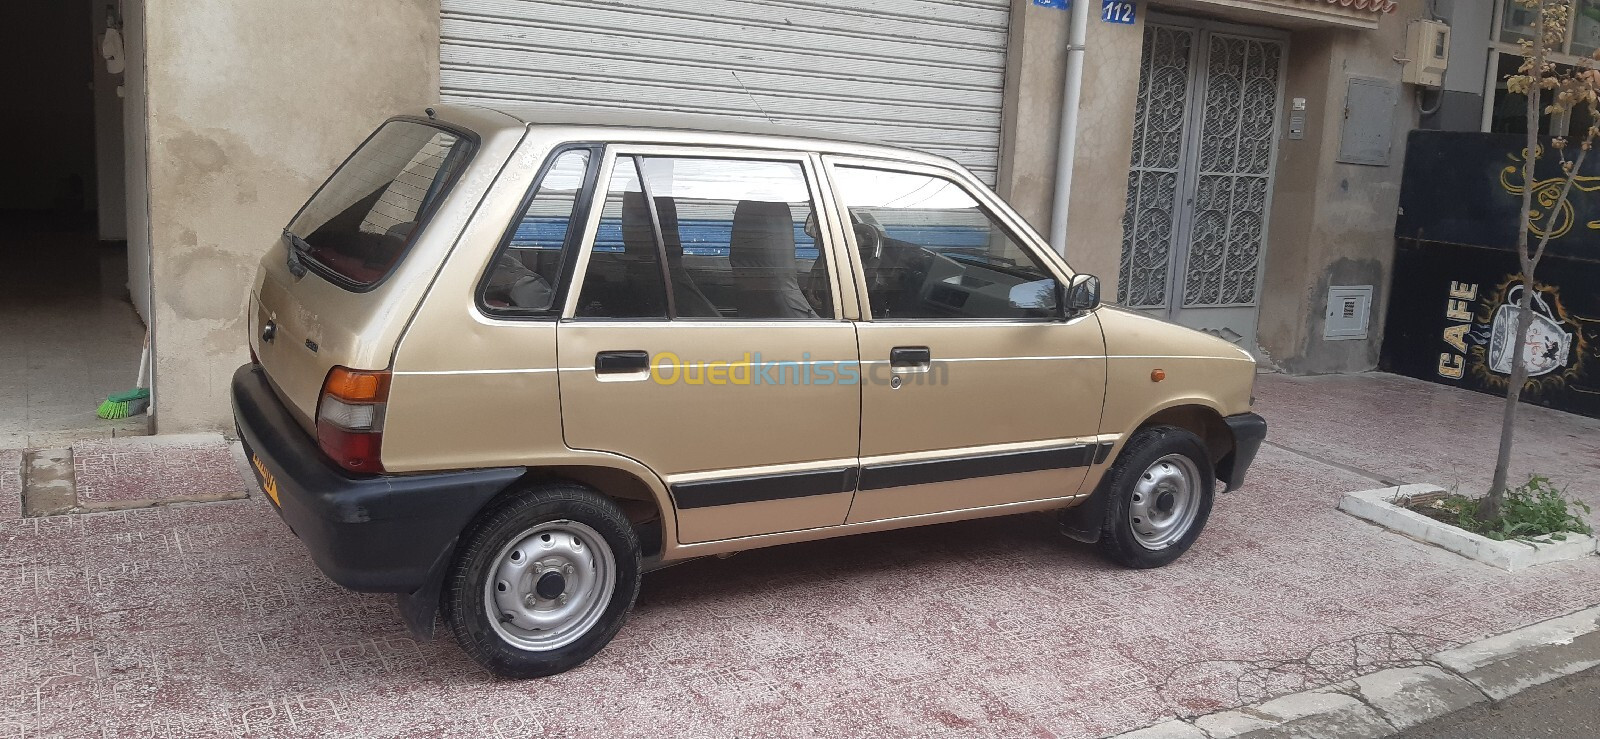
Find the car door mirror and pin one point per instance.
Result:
(1038, 296)
(1083, 295)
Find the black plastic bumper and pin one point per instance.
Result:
(1249, 430)
(383, 533)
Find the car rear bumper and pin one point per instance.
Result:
(381, 533)
(1249, 430)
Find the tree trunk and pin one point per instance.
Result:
(1489, 509)
(1492, 504)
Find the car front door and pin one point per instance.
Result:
(977, 390)
(704, 338)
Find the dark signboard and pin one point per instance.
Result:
(1452, 313)
(1466, 188)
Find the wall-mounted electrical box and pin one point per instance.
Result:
(1368, 135)
(1349, 310)
(1427, 53)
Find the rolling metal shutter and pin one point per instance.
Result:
(926, 74)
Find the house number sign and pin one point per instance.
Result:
(1116, 11)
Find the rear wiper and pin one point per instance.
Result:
(298, 249)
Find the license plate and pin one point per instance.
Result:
(269, 483)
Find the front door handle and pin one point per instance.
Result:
(910, 359)
(621, 362)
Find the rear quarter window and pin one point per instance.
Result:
(359, 225)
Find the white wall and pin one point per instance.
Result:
(137, 172)
(111, 188)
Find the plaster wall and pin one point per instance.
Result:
(251, 103)
(1333, 223)
(1036, 73)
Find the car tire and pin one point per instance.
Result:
(1160, 493)
(543, 581)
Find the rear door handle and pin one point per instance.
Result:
(621, 362)
(910, 358)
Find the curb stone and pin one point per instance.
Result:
(1379, 507)
(1388, 701)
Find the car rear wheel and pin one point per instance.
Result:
(1161, 489)
(543, 581)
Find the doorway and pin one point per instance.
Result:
(1200, 180)
(69, 335)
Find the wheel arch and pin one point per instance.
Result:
(1199, 416)
(1200, 419)
(638, 492)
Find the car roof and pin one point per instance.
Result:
(552, 115)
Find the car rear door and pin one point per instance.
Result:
(977, 391)
(703, 337)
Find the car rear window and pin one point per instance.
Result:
(359, 224)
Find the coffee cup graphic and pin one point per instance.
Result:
(1549, 344)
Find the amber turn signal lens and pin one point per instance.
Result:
(1157, 375)
(356, 386)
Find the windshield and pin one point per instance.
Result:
(357, 227)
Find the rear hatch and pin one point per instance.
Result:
(339, 286)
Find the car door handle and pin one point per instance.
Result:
(910, 358)
(621, 362)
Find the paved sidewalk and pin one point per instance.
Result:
(210, 620)
(1564, 709)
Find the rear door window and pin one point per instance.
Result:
(358, 226)
(736, 237)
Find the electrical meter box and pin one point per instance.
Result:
(1427, 53)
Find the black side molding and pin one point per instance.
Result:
(878, 477)
(756, 488)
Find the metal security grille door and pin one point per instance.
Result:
(1205, 131)
(927, 74)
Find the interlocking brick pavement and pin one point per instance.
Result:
(209, 620)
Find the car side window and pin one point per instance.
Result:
(736, 238)
(526, 271)
(930, 251)
(624, 278)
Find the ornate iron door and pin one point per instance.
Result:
(1200, 180)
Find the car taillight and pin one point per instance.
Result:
(350, 417)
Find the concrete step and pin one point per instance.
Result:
(132, 472)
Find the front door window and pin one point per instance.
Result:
(929, 250)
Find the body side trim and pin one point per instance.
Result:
(901, 474)
(756, 488)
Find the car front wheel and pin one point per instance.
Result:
(543, 581)
(1161, 490)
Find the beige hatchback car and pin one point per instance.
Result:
(505, 361)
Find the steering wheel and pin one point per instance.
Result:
(869, 239)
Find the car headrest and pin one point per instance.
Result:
(762, 236)
(638, 238)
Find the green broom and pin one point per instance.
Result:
(132, 402)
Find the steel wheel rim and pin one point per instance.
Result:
(550, 585)
(1165, 502)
